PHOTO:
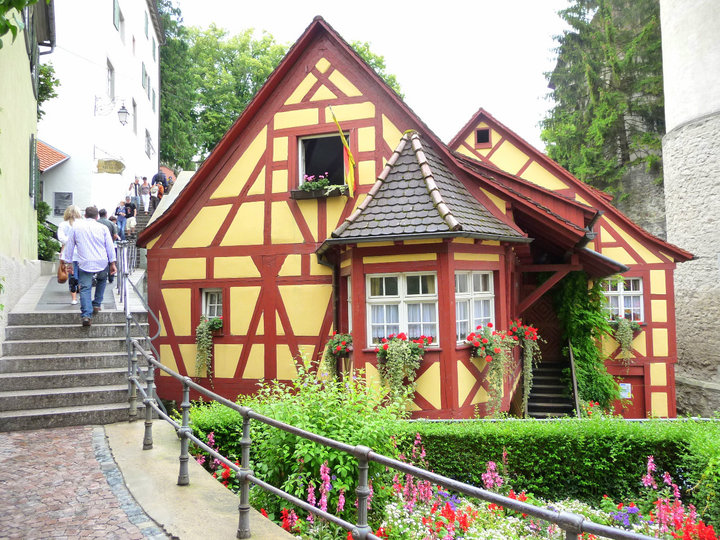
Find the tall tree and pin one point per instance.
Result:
(607, 88)
(177, 92)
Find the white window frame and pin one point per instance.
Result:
(402, 300)
(208, 306)
(620, 289)
(301, 154)
(470, 296)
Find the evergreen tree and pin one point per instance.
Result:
(607, 88)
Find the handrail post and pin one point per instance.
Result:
(132, 379)
(363, 492)
(149, 400)
(183, 432)
(244, 506)
(574, 379)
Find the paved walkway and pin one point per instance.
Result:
(97, 482)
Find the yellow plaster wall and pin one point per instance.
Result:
(353, 111)
(280, 181)
(203, 227)
(233, 183)
(657, 282)
(366, 172)
(301, 89)
(177, 302)
(509, 157)
(422, 242)
(659, 404)
(280, 148)
(309, 210)
(428, 385)
(464, 151)
(344, 85)
(536, 174)
(285, 363)
(258, 184)
(255, 367)
(242, 303)
(283, 227)
(322, 94)
(658, 374)
(168, 359)
(187, 351)
(497, 201)
(618, 254)
(466, 381)
(163, 332)
(658, 310)
(481, 396)
(335, 206)
(609, 345)
(246, 228)
(297, 118)
(235, 267)
(306, 306)
(226, 357)
(639, 343)
(152, 242)
(190, 268)
(317, 269)
(391, 134)
(291, 266)
(366, 139)
(642, 251)
(463, 240)
(400, 258)
(322, 65)
(660, 341)
(476, 256)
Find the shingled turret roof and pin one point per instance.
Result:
(417, 195)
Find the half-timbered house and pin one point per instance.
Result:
(434, 240)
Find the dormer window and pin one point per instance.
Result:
(482, 138)
(321, 156)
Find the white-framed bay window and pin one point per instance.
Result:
(212, 303)
(402, 302)
(474, 301)
(624, 298)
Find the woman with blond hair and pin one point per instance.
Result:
(72, 213)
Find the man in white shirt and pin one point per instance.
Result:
(95, 255)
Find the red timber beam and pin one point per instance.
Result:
(560, 271)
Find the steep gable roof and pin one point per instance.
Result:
(416, 195)
(598, 199)
(49, 156)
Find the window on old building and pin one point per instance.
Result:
(321, 156)
(624, 298)
(212, 303)
(474, 302)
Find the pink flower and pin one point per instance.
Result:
(341, 501)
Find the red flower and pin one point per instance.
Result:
(488, 358)
(343, 343)
(496, 350)
(430, 339)
(385, 346)
(484, 340)
(225, 474)
(476, 344)
(338, 348)
(420, 346)
(384, 340)
(490, 325)
(263, 512)
(377, 350)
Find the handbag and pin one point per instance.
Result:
(62, 274)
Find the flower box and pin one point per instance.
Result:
(299, 194)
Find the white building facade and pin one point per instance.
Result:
(107, 59)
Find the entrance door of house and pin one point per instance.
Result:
(542, 316)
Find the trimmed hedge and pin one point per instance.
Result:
(583, 459)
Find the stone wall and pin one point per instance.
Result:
(691, 155)
(17, 277)
(645, 200)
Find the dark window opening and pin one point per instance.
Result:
(482, 136)
(61, 201)
(322, 157)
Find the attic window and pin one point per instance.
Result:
(321, 155)
(482, 138)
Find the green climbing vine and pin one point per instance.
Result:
(582, 312)
(204, 342)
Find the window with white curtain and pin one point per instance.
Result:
(402, 303)
(474, 302)
(624, 298)
(212, 303)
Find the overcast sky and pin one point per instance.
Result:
(450, 58)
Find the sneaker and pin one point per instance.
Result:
(86, 321)
(96, 309)
(74, 302)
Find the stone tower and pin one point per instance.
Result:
(691, 157)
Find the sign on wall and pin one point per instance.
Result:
(111, 166)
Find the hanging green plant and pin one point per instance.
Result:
(531, 355)
(398, 360)
(624, 332)
(338, 347)
(204, 342)
(582, 312)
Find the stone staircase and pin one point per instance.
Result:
(548, 397)
(54, 372)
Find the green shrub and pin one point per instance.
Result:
(348, 411)
(583, 459)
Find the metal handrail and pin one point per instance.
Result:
(574, 380)
(572, 524)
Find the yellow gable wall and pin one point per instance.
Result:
(203, 227)
(239, 174)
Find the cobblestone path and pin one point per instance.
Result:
(63, 483)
